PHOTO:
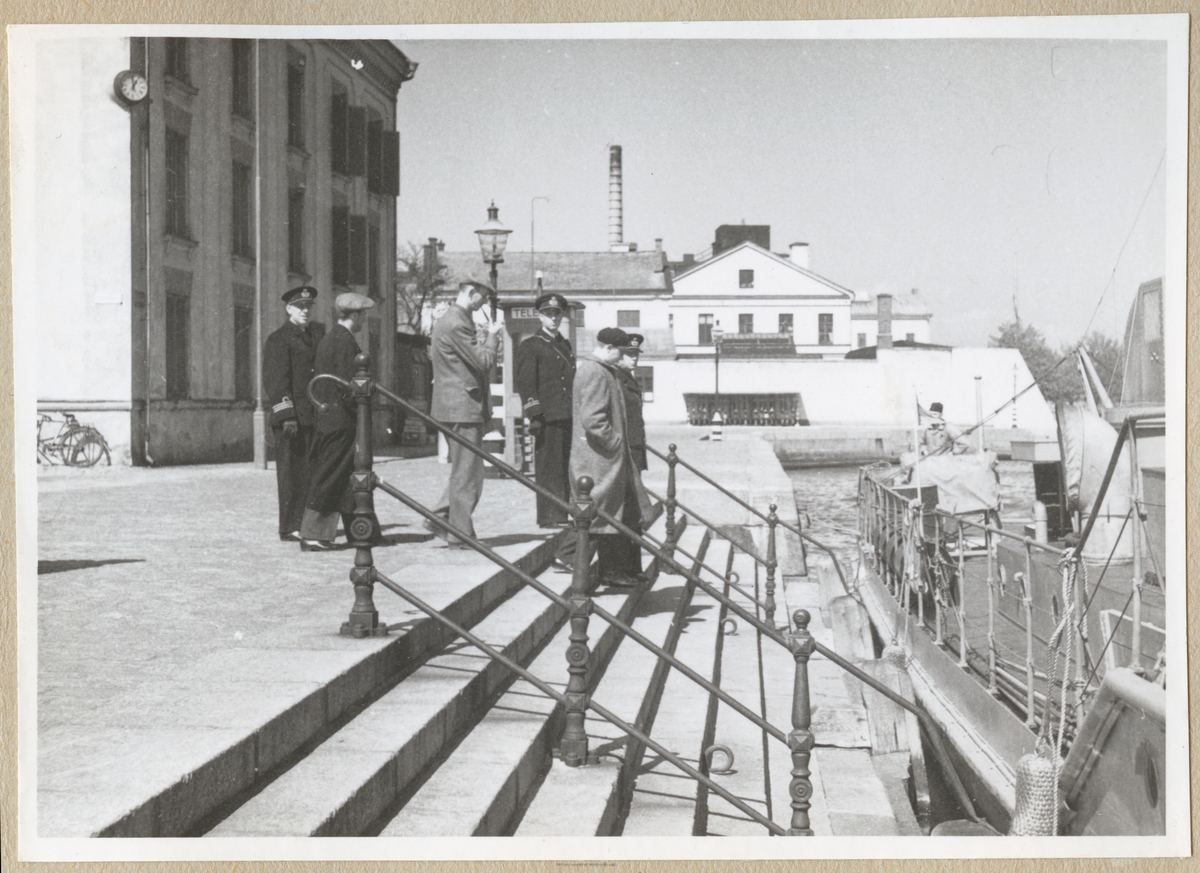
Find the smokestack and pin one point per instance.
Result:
(884, 315)
(798, 254)
(616, 233)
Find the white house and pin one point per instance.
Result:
(910, 320)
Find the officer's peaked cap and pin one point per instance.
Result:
(299, 295)
(551, 301)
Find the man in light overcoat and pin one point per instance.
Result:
(462, 364)
(600, 449)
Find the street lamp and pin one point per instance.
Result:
(493, 237)
(717, 419)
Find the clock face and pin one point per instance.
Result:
(131, 87)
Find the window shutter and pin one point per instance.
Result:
(390, 152)
(341, 245)
(356, 158)
(374, 156)
(338, 119)
(358, 250)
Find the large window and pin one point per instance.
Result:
(349, 247)
(243, 78)
(296, 259)
(746, 322)
(175, 60)
(295, 102)
(243, 378)
(629, 318)
(347, 134)
(862, 340)
(745, 278)
(706, 326)
(177, 183)
(786, 324)
(178, 340)
(825, 329)
(910, 337)
(243, 210)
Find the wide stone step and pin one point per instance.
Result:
(347, 782)
(240, 716)
(587, 801)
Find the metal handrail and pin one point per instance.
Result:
(550, 593)
(561, 698)
(747, 506)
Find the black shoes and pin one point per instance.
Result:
(624, 580)
(317, 546)
(290, 536)
(562, 566)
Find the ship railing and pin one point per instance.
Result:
(767, 626)
(363, 621)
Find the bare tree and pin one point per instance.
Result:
(421, 278)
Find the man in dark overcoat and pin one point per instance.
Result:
(545, 370)
(462, 363)
(288, 356)
(332, 458)
(600, 450)
(626, 554)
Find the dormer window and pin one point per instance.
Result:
(745, 278)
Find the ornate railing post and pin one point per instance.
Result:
(574, 745)
(800, 740)
(672, 504)
(769, 606)
(363, 531)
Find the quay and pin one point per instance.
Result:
(192, 680)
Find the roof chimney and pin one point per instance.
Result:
(616, 233)
(798, 254)
(884, 315)
(658, 245)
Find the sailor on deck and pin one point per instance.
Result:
(940, 436)
(545, 371)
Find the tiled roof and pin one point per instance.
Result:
(567, 272)
(910, 305)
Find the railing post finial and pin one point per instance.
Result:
(772, 563)
(363, 530)
(574, 744)
(800, 740)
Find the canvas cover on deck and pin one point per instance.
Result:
(966, 483)
(1087, 446)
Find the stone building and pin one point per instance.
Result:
(167, 227)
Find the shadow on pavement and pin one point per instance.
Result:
(45, 567)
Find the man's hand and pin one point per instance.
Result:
(289, 428)
(494, 327)
(535, 424)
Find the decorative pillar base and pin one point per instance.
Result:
(364, 625)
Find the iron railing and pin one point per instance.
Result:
(363, 530)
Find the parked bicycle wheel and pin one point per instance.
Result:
(70, 441)
(88, 450)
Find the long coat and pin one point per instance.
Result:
(461, 368)
(336, 354)
(599, 447)
(288, 357)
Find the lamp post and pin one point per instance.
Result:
(717, 419)
(493, 237)
(534, 200)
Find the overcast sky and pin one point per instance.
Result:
(970, 169)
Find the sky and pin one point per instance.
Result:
(981, 172)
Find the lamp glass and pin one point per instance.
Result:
(493, 237)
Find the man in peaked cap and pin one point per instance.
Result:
(288, 357)
(545, 371)
(332, 458)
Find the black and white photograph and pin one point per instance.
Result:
(688, 433)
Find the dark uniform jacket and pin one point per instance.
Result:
(545, 372)
(462, 364)
(288, 357)
(635, 430)
(336, 355)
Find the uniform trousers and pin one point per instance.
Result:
(551, 462)
(331, 463)
(292, 475)
(462, 493)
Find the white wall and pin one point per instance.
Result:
(918, 327)
(880, 392)
(602, 310)
(77, 266)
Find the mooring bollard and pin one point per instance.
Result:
(363, 530)
(574, 745)
(772, 523)
(800, 740)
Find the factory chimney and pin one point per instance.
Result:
(884, 315)
(615, 232)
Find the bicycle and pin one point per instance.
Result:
(74, 444)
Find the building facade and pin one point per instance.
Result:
(250, 167)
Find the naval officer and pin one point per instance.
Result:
(288, 356)
(545, 371)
